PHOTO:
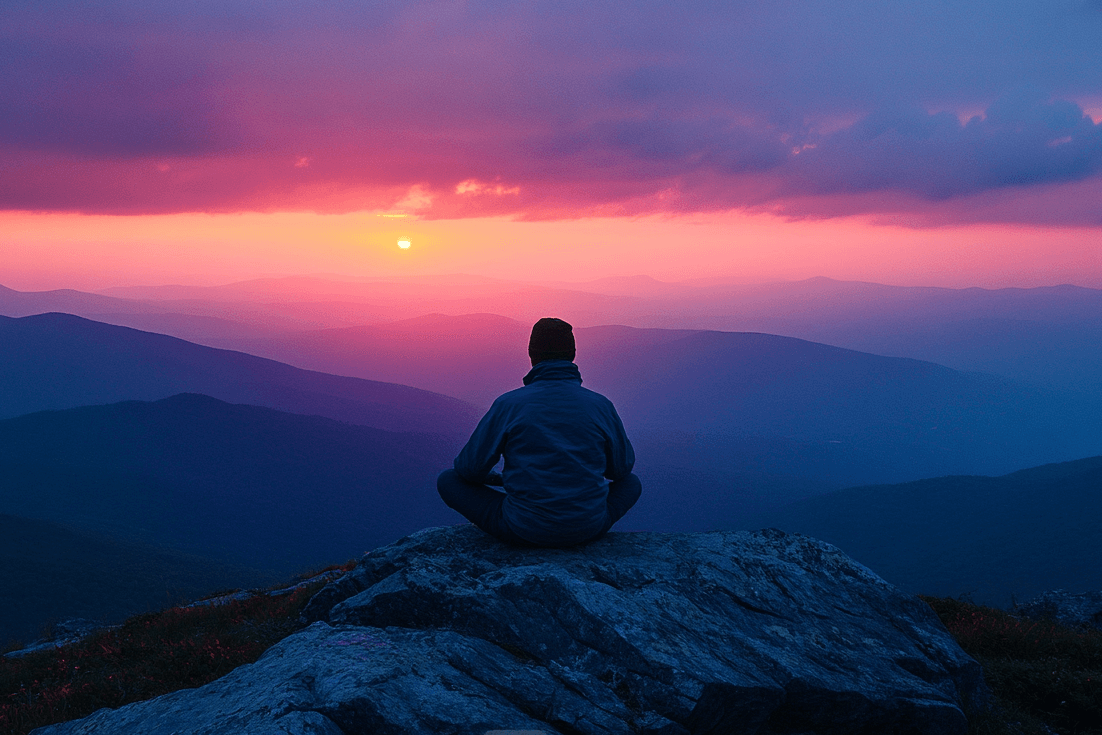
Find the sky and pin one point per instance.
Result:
(943, 143)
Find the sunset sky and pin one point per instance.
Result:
(945, 143)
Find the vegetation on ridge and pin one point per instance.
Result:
(149, 655)
(1046, 677)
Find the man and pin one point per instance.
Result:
(560, 441)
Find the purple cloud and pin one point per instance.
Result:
(1022, 140)
(552, 109)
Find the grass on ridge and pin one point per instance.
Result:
(149, 655)
(1046, 677)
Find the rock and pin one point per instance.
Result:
(249, 594)
(65, 633)
(449, 631)
(1083, 610)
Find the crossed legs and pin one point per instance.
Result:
(481, 504)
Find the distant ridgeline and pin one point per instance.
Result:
(1050, 335)
(51, 573)
(58, 361)
(997, 539)
(268, 489)
(188, 494)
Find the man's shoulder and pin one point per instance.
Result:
(512, 396)
(534, 391)
(594, 396)
(510, 399)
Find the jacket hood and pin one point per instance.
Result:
(553, 370)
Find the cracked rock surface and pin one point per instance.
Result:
(449, 631)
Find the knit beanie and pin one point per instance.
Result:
(552, 339)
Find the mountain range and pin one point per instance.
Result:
(56, 361)
(996, 539)
(1050, 336)
(837, 415)
(246, 465)
(749, 421)
(247, 485)
(50, 572)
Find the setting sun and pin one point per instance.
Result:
(404, 243)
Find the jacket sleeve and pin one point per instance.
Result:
(483, 449)
(621, 455)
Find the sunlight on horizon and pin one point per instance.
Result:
(48, 251)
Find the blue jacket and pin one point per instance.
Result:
(561, 441)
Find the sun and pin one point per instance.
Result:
(404, 242)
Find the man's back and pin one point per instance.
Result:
(560, 442)
(567, 476)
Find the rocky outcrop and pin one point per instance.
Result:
(448, 631)
(1082, 610)
(65, 633)
(331, 575)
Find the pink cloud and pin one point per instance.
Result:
(546, 111)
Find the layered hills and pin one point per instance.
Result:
(49, 573)
(1049, 336)
(777, 404)
(57, 361)
(995, 538)
(726, 424)
(248, 485)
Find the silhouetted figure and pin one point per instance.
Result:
(567, 475)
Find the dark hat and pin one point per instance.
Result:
(552, 339)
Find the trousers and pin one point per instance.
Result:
(481, 504)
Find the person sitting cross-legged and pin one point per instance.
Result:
(567, 476)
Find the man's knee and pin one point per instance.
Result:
(447, 483)
(623, 494)
(629, 489)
